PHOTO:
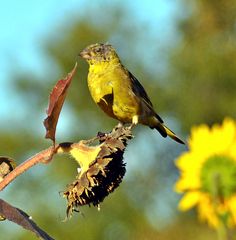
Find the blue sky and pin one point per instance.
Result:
(24, 24)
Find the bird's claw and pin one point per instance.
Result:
(131, 126)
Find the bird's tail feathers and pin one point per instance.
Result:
(161, 129)
(173, 135)
(165, 131)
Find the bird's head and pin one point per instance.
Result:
(99, 53)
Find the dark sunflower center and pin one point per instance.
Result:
(218, 176)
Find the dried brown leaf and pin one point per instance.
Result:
(21, 218)
(56, 100)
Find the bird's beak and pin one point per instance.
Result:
(85, 54)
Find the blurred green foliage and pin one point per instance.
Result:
(197, 86)
(202, 76)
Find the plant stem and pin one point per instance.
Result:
(222, 230)
(41, 157)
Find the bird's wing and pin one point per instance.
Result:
(139, 91)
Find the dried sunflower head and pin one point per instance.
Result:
(102, 168)
(6, 166)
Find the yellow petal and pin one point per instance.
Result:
(187, 182)
(232, 207)
(223, 136)
(206, 211)
(199, 136)
(189, 200)
(84, 155)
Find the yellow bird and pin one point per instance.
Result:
(117, 92)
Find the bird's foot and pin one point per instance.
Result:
(101, 134)
(131, 126)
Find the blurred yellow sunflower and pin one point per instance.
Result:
(208, 173)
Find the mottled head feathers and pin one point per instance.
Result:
(99, 52)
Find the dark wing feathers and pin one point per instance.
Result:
(138, 89)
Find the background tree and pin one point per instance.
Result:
(202, 76)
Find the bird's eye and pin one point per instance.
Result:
(98, 50)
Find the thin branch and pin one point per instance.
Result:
(42, 157)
